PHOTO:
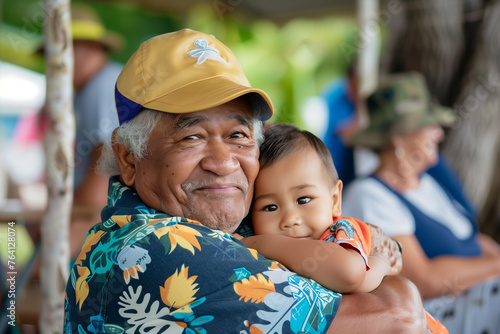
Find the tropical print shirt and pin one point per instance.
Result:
(143, 271)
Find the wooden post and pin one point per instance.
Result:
(368, 46)
(59, 153)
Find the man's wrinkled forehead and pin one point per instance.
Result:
(185, 121)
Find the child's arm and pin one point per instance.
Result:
(379, 267)
(334, 267)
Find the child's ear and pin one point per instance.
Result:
(337, 199)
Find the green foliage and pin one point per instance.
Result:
(290, 62)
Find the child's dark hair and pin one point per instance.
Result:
(281, 139)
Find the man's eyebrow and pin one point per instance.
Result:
(243, 120)
(185, 122)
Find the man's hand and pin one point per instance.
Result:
(387, 248)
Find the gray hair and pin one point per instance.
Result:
(134, 135)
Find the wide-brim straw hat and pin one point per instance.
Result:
(400, 105)
(86, 25)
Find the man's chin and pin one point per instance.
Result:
(219, 215)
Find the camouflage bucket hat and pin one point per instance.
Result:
(400, 105)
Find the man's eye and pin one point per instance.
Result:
(303, 200)
(238, 135)
(191, 137)
(271, 207)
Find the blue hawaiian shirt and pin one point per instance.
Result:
(143, 271)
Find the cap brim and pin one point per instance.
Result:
(112, 41)
(206, 94)
(369, 137)
(443, 116)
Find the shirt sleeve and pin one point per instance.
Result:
(369, 201)
(350, 233)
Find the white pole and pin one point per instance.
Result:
(368, 46)
(58, 144)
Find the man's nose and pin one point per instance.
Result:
(218, 158)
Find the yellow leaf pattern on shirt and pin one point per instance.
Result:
(179, 289)
(254, 288)
(122, 220)
(82, 287)
(254, 253)
(90, 240)
(181, 235)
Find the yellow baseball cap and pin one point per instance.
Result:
(182, 72)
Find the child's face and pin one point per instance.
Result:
(294, 197)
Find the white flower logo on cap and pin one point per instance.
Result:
(204, 52)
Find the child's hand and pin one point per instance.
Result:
(383, 245)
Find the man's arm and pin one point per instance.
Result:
(394, 307)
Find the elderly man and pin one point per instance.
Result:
(184, 161)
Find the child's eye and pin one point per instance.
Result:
(303, 200)
(271, 207)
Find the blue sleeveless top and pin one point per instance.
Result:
(435, 238)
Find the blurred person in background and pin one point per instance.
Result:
(343, 121)
(94, 82)
(455, 268)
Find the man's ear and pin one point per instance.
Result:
(337, 199)
(126, 162)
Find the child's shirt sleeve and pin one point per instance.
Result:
(352, 233)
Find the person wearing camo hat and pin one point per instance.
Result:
(444, 253)
(400, 105)
(183, 164)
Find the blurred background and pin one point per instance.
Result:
(290, 53)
